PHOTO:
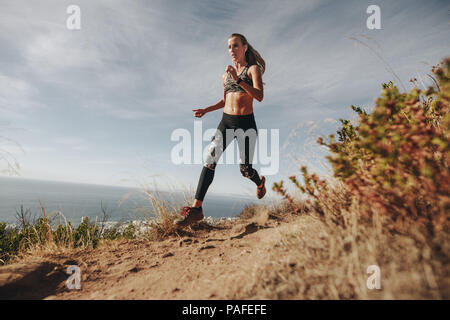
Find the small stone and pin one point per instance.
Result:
(206, 247)
(135, 269)
(347, 246)
(168, 254)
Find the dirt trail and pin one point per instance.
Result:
(210, 263)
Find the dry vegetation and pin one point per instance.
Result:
(388, 205)
(319, 257)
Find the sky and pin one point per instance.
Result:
(99, 104)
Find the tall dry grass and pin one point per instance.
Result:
(164, 210)
(388, 205)
(321, 257)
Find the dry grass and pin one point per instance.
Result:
(164, 211)
(321, 257)
(163, 216)
(249, 211)
(384, 210)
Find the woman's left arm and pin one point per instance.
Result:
(257, 90)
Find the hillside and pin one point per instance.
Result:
(271, 255)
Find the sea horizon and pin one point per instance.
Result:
(75, 200)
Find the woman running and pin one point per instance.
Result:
(242, 83)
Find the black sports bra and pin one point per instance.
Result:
(231, 86)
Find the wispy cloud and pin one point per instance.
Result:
(136, 69)
(17, 98)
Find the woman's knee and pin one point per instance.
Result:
(247, 170)
(210, 166)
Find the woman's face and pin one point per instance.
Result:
(236, 49)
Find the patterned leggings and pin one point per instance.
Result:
(243, 128)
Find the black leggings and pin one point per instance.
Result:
(227, 130)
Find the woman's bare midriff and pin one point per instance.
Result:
(238, 103)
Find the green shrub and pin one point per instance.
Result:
(40, 234)
(87, 234)
(9, 243)
(63, 235)
(396, 159)
(130, 231)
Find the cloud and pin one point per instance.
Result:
(101, 162)
(57, 51)
(17, 149)
(136, 69)
(330, 120)
(73, 143)
(162, 56)
(16, 98)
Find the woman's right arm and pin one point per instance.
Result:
(200, 112)
(216, 106)
(221, 103)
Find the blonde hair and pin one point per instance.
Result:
(251, 55)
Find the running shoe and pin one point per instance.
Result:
(261, 189)
(190, 215)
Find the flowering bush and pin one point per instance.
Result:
(396, 159)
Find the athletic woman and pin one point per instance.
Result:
(242, 83)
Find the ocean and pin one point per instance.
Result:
(76, 200)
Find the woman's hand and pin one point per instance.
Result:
(199, 112)
(231, 70)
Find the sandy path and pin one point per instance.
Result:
(204, 264)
